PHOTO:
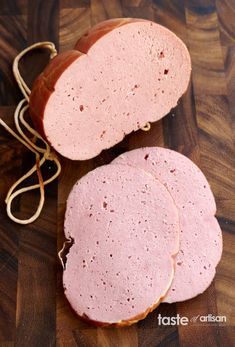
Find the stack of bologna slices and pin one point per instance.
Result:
(144, 231)
(143, 227)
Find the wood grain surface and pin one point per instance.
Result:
(33, 309)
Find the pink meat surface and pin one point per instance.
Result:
(131, 75)
(114, 215)
(200, 237)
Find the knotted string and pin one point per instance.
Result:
(42, 154)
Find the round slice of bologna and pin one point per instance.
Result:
(121, 264)
(200, 236)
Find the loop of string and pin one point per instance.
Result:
(147, 127)
(21, 83)
(42, 154)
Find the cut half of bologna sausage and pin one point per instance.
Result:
(121, 263)
(200, 237)
(122, 74)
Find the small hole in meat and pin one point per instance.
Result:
(162, 54)
(111, 211)
(146, 157)
(179, 263)
(90, 215)
(105, 204)
(110, 255)
(173, 170)
(81, 108)
(162, 91)
(102, 134)
(128, 299)
(166, 71)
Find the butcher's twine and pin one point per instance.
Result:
(42, 154)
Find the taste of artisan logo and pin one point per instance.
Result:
(199, 319)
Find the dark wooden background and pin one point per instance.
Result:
(33, 310)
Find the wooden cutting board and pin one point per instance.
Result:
(33, 310)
